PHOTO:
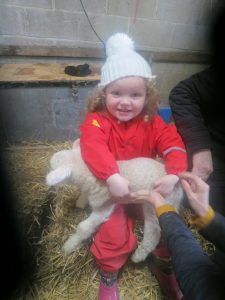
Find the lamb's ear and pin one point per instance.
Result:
(76, 144)
(59, 175)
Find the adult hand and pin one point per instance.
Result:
(165, 184)
(202, 164)
(151, 197)
(118, 187)
(197, 192)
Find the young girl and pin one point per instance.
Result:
(121, 124)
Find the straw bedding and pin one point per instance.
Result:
(48, 216)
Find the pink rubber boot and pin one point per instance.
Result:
(108, 292)
(161, 267)
(108, 289)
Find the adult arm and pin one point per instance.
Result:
(210, 224)
(187, 101)
(198, 276)
(196, 273)
(215, 232)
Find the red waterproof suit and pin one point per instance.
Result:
(103, 141)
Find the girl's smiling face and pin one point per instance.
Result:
(125, 98)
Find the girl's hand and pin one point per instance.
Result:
(165, 184)
(197, 192)
(119, 188)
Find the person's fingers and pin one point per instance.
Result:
(155, 185)
(187, 188)
(140, 192)
(155, 196)
(195, 181)
(145, 195)
(156, 189)
(140, 198)
(189, 176)
(201, 174)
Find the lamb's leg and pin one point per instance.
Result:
(152, 233)
(82, 201)
(86, 228)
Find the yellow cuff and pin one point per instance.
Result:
(164, 208)
(203, 221)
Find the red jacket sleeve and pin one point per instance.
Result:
(94, 146)
(170, 146)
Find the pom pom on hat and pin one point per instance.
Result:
(123, 61)
(118, 42)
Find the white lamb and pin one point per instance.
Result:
(68, 167)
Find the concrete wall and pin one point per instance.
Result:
(41, 113)
(172, 33)
(154, 24)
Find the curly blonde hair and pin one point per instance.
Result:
(96, 102)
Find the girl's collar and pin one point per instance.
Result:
(111, 117)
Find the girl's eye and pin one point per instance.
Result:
(136, 95)
(116, 94)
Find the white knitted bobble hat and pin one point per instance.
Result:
(122, 60)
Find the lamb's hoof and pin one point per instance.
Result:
(70, 246)
(139, 255)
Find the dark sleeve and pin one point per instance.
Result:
(185, 100)
(196, 273)
(215, 232)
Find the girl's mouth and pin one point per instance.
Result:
(124, 110)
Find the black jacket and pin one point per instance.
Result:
(200, 278)
(196, 104)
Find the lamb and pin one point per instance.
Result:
(68, 167)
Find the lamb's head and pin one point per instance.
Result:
(66, 166)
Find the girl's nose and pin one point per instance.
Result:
(125, 100)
